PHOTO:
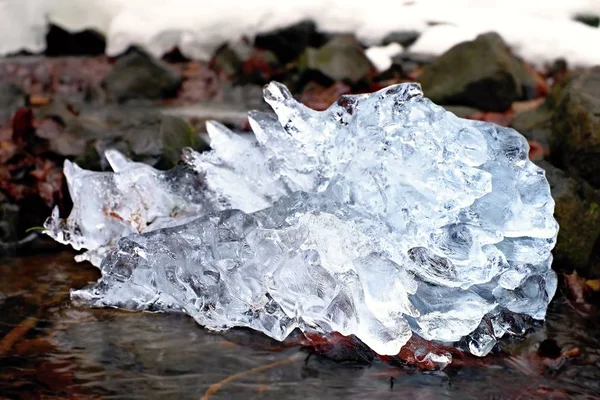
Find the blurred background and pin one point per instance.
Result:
(78, 77)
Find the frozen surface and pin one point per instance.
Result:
(198, 27)
(383, 216)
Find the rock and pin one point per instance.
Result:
(12, 97)
(404, 38)
(588, 19)
(260, 67)
(575, 142)
(60, 42)
(462, 111)
(138, 76)
(479, 73)
(578, 214)
(175, 56)
(175, 134)
(229, 59)
(244, 64)
(341, 59)
(527, 78)
(407, 63)
(558, 70)
(143, 134)
(535, 125)
(417, 58)
(244, 97)
(288, 43)
(9, 218)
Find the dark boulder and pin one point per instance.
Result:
(60, 42)
(136, 75)
(288, 43)
(588, 19)
(480, 73)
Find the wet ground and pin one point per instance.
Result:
(51, 349)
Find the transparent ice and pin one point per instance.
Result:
(382, 217)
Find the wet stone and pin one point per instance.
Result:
(136, 75)
(479, 74)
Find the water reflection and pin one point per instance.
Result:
(48, 348)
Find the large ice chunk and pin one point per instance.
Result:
(382, 217)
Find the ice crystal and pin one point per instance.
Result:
(382, 217)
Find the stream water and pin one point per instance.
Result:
(51, 349)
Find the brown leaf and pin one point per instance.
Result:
(574, 352)
(593, 284)
(33, 346)
(37, 100)
(8, 149)
(536, 150)
(320, 98)
(22, 124)
(579, 292)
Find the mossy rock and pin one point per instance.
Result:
(341, 59)
(480, 73)
(578, 214)
(535, 124)
(136, 75)
(575, 143)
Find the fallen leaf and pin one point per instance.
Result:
(320, 98)
(7, 150)
(580, 292)
(594, 284)
(37, 100)
(536, 150)
(260, 389)
(574, 352)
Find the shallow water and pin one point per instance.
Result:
(51, 349)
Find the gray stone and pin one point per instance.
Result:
(535, 124)
(341, 59)
(136, 75)
(289, 43)
(479, 73)
(404, 38)
(11, 98)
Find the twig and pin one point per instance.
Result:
(16, 334)
(12, 337)
(215, 387)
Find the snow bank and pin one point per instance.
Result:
(197, 27)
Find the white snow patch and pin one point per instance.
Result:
(381, 56)
(198, 27)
